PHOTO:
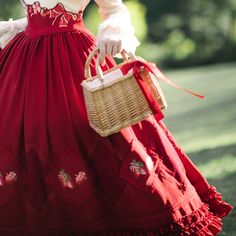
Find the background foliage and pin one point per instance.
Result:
(173, 33)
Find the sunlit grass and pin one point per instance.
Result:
(200, 124)
(219, 168)
(191, 144)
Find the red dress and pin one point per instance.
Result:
(59, 177)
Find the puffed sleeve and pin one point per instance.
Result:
(10, 28)
(116, 23)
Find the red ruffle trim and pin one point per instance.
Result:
(216, 204)
(199, 223)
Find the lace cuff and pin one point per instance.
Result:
(9, 29)
(117, 24)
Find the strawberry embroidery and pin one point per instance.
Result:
(65, 179)
(80, 177)
(8, 178)
(137, 167)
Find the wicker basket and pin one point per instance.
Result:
(114, 101)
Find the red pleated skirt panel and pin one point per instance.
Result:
(59, 177)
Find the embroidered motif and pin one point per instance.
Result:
(65, 16)
(58, 12)
(80, 177)
(34, 9)
(65, 179)
(10, 178)
(137, 168)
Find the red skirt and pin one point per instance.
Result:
(59, 177)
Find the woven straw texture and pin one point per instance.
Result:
(120, 104)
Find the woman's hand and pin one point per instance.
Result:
(109, 46)
(116, 31)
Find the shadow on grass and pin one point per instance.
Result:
(226, 186)
(207, 155)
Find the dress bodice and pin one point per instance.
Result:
(69, 5)
(116, 22)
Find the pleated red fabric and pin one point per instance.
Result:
(59, 177)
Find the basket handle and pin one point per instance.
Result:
(87, 71)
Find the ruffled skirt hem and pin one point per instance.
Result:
(216, 204)
(201, 222)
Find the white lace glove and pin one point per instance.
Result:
(116, 32)
(8, 30)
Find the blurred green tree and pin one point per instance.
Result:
(10, 9)
(193, 32)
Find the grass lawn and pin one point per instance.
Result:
(206, 129)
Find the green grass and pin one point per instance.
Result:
(206, 129)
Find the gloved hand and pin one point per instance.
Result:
(115, 32)
(109, 45)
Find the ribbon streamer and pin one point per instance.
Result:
(151, 67)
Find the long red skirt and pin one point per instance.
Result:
(59, 177)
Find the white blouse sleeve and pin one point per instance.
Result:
(9, 29)
(116, 24)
